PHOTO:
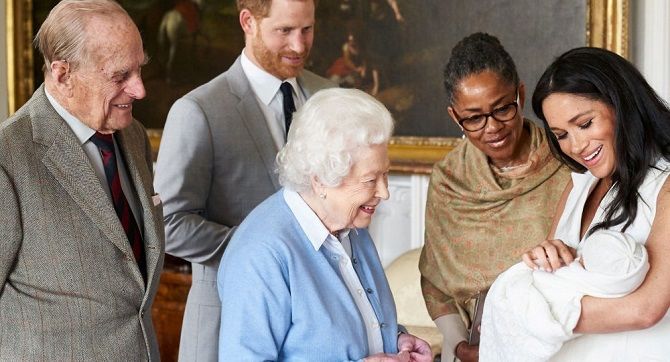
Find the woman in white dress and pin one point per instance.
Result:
(612, 129)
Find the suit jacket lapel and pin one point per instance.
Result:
(70, 166)
(140, 176)
(254, 119)
(308, 83)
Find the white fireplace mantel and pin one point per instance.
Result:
(398, 223)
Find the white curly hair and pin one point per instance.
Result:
(325, 134)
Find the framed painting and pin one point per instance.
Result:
(393, 49)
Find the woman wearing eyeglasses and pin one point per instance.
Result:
(491, 198)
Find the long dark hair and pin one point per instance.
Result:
(642, 124)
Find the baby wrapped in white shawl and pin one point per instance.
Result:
(529, 314)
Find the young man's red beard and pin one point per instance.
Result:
(272, 62)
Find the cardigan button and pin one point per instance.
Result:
(369, 290)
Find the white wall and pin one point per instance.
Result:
(398, 224)
(650, 40)
(3, 63)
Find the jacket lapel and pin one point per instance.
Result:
(253, 119)
(70, 166)
(139, 174)
(309, 83)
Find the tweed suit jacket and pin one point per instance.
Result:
(70, 286)
(216, 163)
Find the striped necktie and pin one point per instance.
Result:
(105, 143)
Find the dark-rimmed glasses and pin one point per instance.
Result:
(503, 114)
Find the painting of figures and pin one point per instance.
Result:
(392, 49)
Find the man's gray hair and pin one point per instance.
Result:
(326, 133)
(63, 34)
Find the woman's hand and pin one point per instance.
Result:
(549, 255)
(418, 349)
(411, 349)
(466, 352)
(387, 357)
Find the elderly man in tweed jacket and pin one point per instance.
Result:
(81, 234)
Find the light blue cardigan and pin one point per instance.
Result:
(283, 300)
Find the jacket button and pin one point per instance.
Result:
(369, 290)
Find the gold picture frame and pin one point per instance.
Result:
(606, 26)
(19, 52)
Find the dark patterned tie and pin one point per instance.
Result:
(289, 106)
(105, 143)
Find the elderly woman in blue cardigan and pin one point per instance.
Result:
(301, 279)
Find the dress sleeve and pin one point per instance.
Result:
(453, 332)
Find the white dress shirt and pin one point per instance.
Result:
(319, 236)
(269, 97)
(83, 134)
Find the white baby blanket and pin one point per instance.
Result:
(529, 314)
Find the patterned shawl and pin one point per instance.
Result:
(479, 220)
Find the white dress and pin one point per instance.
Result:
(652, 344)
